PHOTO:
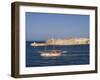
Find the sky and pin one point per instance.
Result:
(44, 26)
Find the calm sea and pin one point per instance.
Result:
(74, 55)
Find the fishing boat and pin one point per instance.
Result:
(51, 53)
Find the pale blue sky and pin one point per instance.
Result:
(43, 26)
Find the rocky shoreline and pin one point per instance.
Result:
(67, 41)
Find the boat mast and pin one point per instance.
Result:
(53, 43)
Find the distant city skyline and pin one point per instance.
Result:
(44, 26)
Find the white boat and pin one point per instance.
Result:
(51, 53)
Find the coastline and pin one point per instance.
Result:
(60, 42)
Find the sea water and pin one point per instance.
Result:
(73, 55)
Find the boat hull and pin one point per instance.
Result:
(53, 53)
(50, 55)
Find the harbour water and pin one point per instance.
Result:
(74, 55)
